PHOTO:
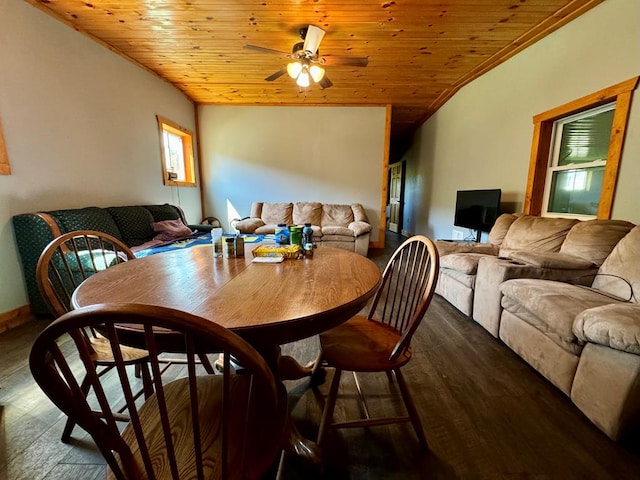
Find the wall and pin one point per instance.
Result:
(482, 137)
(284, 154)
(80, 127)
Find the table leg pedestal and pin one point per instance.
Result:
(304, 452)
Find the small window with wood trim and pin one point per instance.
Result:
(176, 145)
(5, 169)
(575, 155)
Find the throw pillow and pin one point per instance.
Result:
(168, 230)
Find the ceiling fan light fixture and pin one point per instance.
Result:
(303, 80)
(294, 69)
(316, 72)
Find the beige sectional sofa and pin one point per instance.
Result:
(585, 340)
(334, 225)
(563, 294)
(511, 232)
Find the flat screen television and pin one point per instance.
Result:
(477, 209)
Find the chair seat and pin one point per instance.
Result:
(362, 345)
(103, 355)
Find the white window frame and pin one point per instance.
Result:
(619, 93)
(556, 141)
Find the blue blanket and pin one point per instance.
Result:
(201, 238)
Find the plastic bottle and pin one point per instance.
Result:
(216, 240)
(296, 235)
(307, 239)
(239, 245)
(282, 234)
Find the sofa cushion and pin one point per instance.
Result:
(275, 213)
(336, 215)
(338, 238)
(256, 210)
(593, 240)
(134, 223)
(88, 218)
(555, 260)
(468, 281)
(164, 212)
(333, 230)
(623, 262)
(615, 326)
(307, 212)
(501, 227)
(551, 306)
(359, 215)
(536, 233)
(466, 263)
(446, 247)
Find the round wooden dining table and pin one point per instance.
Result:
(268, 304)
(265, 303)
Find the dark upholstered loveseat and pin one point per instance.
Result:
(131, 224)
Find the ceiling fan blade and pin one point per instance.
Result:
(276, 75)
(266, 50)
(325, 82)
(332, 60)
(313, 38)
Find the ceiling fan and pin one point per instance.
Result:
(307, 64)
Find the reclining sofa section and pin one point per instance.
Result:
(564, 295)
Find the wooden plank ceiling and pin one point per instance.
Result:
(420, 52)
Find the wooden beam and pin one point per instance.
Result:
(5, 168)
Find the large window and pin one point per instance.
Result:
(580, 144)
(576, 153)
(177, 154)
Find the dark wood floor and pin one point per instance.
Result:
(486, 415)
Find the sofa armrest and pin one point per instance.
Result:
(553, 260)
(616, 326)
(360, 228)
(199, 227)
(446, 247)
(249, 225)
(492, 271)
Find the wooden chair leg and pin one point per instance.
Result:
(411, 409)
(70, 423)
(206, 363)
(147, 384)
(327, 414)
(318, 373)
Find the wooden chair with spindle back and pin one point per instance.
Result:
(198, 426)
(380, 342)
(65, 263)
